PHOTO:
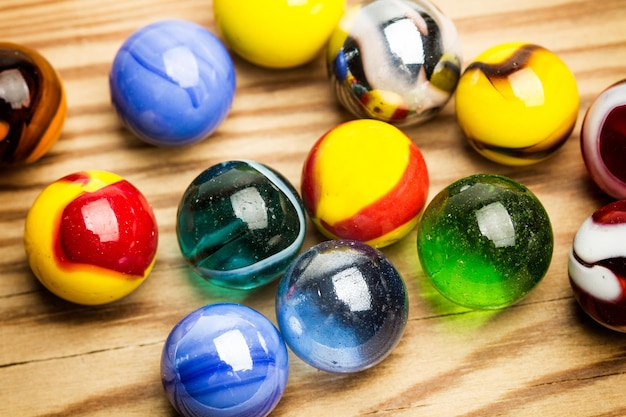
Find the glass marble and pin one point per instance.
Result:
(365, 180)
(597, 266)
(398, 61)
(517, 103)
(603, 140)
(342, 306)
(224, 360)
(277, 33)
(172, 83)
(91, 237)
(33, 105)
(485, 241)
(240, 224)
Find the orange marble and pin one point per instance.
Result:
(33, 105)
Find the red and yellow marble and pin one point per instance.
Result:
(91, 237)
(365, 180)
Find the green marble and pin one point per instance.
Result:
(240, 224)
(485, 241)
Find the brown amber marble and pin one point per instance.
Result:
(32, 105)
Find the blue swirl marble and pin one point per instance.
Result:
(224, 360)
(342, 306)
(172, 83)
(240, 224)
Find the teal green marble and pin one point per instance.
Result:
(240, 224)
(485, 241)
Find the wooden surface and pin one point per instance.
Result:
(541, 357)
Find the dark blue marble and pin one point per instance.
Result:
(342, 306)
(172, 83)
(224, 360)
(240, 224)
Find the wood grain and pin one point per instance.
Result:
(542, 356)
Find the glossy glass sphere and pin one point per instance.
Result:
(91, 237)
(33, 105)
(240, 224)
(517, 103)
(365, 180)
(172, 83)
(597, 266)
(395, 61)
(277, 33)
(224, 360)
(603, 140)
(342, 306)
(485, 241)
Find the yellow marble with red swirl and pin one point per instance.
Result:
(91, 237)
(365, 180)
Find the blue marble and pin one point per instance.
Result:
(342, 306)
(224, 360)
(240, 224)
(172, 83)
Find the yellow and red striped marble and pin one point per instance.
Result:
(365, 180)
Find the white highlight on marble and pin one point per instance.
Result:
(494, 222)
(351, 288)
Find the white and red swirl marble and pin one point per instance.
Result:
(597, 266)
(603, 140)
